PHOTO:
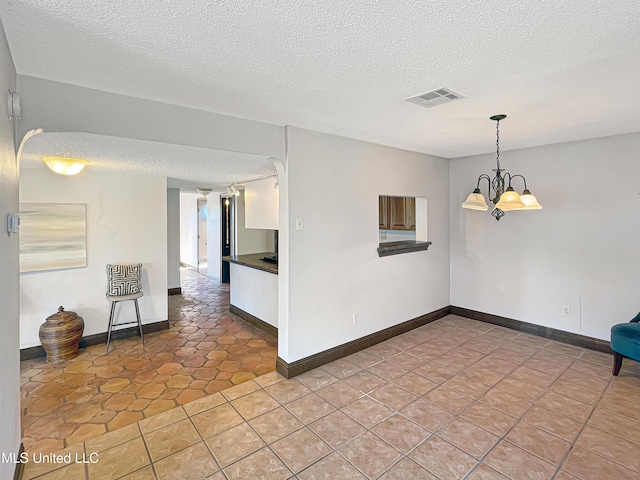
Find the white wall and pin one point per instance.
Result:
(173, 238)
(251, 240)
(256, 292)
(189, 229)
(126, 223)
(334, 270)
(580, 250)
(57, 106)
(261, 204)
(9, 279)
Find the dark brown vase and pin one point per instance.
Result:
(60, 335)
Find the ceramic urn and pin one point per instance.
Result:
(60, 335)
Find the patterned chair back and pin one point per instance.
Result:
(124, 279)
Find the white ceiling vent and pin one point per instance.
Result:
(435, 97)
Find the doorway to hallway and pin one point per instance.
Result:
(203, 263)
(226, 234)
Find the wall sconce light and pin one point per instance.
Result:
(65, 165)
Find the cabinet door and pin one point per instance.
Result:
(402, 213)
(410, 213)
(397, 213)
(383, 212)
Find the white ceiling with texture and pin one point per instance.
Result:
(187, 168)
(561, 70)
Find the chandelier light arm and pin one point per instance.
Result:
(484, 175)
(488, 179)
(517, 175)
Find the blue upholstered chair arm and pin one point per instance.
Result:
(625, 342)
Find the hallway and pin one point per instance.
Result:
(206, 350)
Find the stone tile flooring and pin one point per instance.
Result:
(450, 400)
(206, 350)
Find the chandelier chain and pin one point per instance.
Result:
(498, 144)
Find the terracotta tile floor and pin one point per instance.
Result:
(451, 400)
(206, 350)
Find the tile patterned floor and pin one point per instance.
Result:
(206, 350)
(455, 399)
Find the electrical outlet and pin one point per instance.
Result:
(356, 318)
(566, 311)
(383, 235)
(299, 224)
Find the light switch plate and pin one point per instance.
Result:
(13, 221)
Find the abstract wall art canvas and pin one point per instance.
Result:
(53, 236)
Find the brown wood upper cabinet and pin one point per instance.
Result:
(383, 212)
(397, 213)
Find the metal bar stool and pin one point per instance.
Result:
(124, 282)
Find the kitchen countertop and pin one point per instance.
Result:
(252, 260)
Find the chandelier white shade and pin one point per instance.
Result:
(476, 201)
(510, 200)
(530, 202)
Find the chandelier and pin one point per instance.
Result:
(504, 200)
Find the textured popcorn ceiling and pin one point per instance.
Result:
(561, 70)
(187, 168)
